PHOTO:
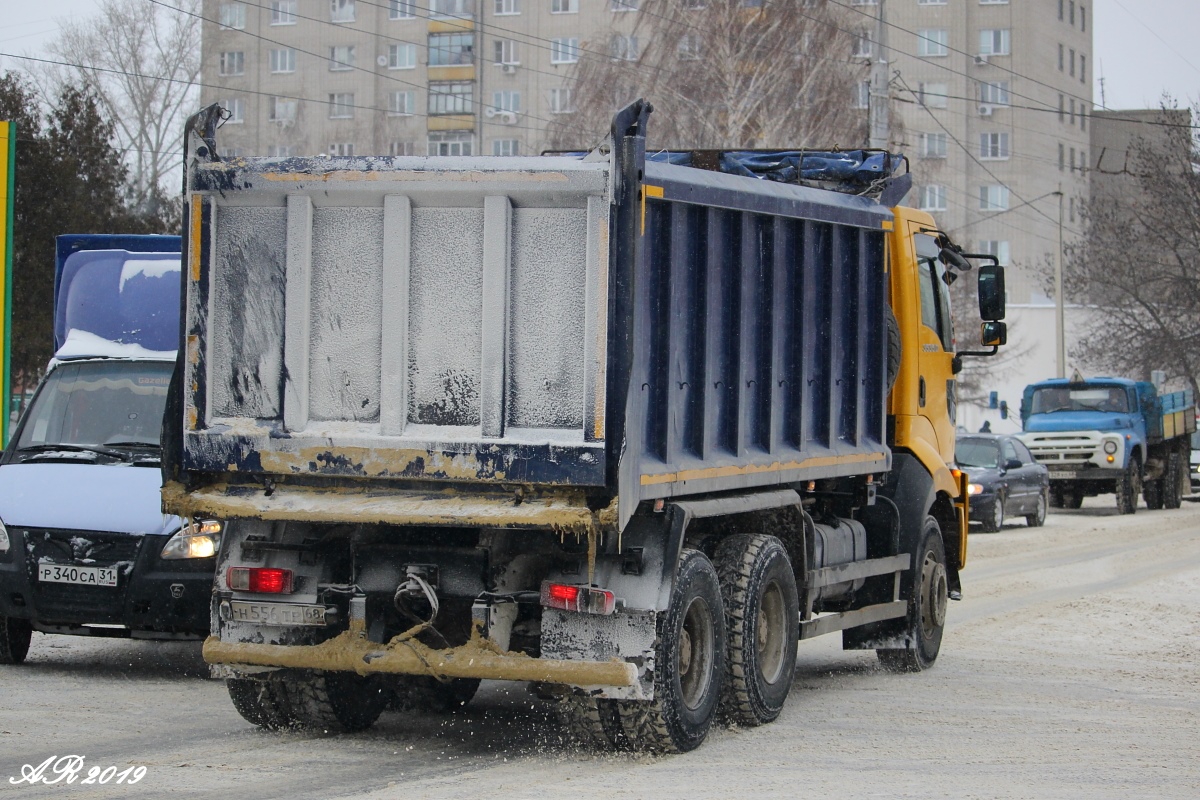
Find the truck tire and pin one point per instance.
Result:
(1173, 481)
(1038, 518)
(926, 608)
(1129, 487)
(337, 702)
(762, 623)
(1072, 499)
(426, 693)
(261, 702)
(893, 349)
(689, 665)
(1056, 498)
(1153, 493)
(593, 723)
(15, 636)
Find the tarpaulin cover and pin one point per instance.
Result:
(851, 170)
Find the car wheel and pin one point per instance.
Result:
(1038, 518)
(15, 635)
(994, 520)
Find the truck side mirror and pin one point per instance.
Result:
(993, 334)
(991, 293)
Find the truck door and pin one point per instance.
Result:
(937, 397)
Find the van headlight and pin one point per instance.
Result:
(200, 539)
(4, 542)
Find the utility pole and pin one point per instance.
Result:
(880, 128)
(1059, 330)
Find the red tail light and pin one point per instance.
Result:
(585, 599)
(264, 580)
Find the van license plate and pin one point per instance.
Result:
(276, 613)
(85, 576)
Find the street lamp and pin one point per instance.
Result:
(1060, 336)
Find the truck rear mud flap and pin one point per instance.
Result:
(352, 651)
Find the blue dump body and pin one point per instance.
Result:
(110, 286)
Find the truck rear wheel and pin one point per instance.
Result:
(337, 702)
(1129, 486)
(1153, 492)
(15, 636)
(261, 702)
(689, 665)
(1173, 481)
(762, 621)
(926, 607)
(426, 693)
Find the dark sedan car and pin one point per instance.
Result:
(1004, 480)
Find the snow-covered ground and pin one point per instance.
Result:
(1071, 670)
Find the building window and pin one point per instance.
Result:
(451, 8)
(623, 5)
(993, 198)
(233, 63)
(505, 147)
(1072, 161)
(994, 93)
(1072, 215)
(1082, 18)
(933, 145)
(623, 48)
(931, 2)
(1082, 68)
(282, 151)
(1062, 157)
(341, 10)
(507, 100)
(283, 12)
(933, 198)
(451, 49)
(341, 105)
(993, 2)
(456, 97)
(561, 101)
(1061, 58)
(1071, 62)
(1082, 120)
(1061, 106)
(1082, 161)
(558, 7)
(236, 107)
(341, 58)
(283, 60)
(282, 110)
(402, 9)
(450, 143)
(861, 97)
(993, 146)
(933, 42)
(232, 15)
(564, 51)
(1060, 9)
(861, 47)
(402, 148)
(402, 56)
(342, 149)
(504, 7)
(864, 2)
(994, 42)
(1071, 7)
(689, 46)
(402, 104)
(1071, 110)
(506, 51)
(932, 95)
(995, 247)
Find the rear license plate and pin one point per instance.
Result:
(1061, 474)
(276, 613)
(85, 576)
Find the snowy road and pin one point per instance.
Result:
(1071, 670)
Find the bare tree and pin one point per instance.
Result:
(1139, 264)
(726, 73)
(142, 61)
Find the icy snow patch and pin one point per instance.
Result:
(150, 267)
(84, 344)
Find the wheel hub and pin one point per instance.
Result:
(933, 594)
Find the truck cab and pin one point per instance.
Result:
(84, 546)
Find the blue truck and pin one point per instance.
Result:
(1110, 435)
(84, 546)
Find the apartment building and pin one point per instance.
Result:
(400, 77)
(995, 98)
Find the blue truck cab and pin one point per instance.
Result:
(1110, 435)
(84, 546)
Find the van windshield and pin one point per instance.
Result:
(99, 404)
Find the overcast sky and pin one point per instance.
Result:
(1142, 47)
